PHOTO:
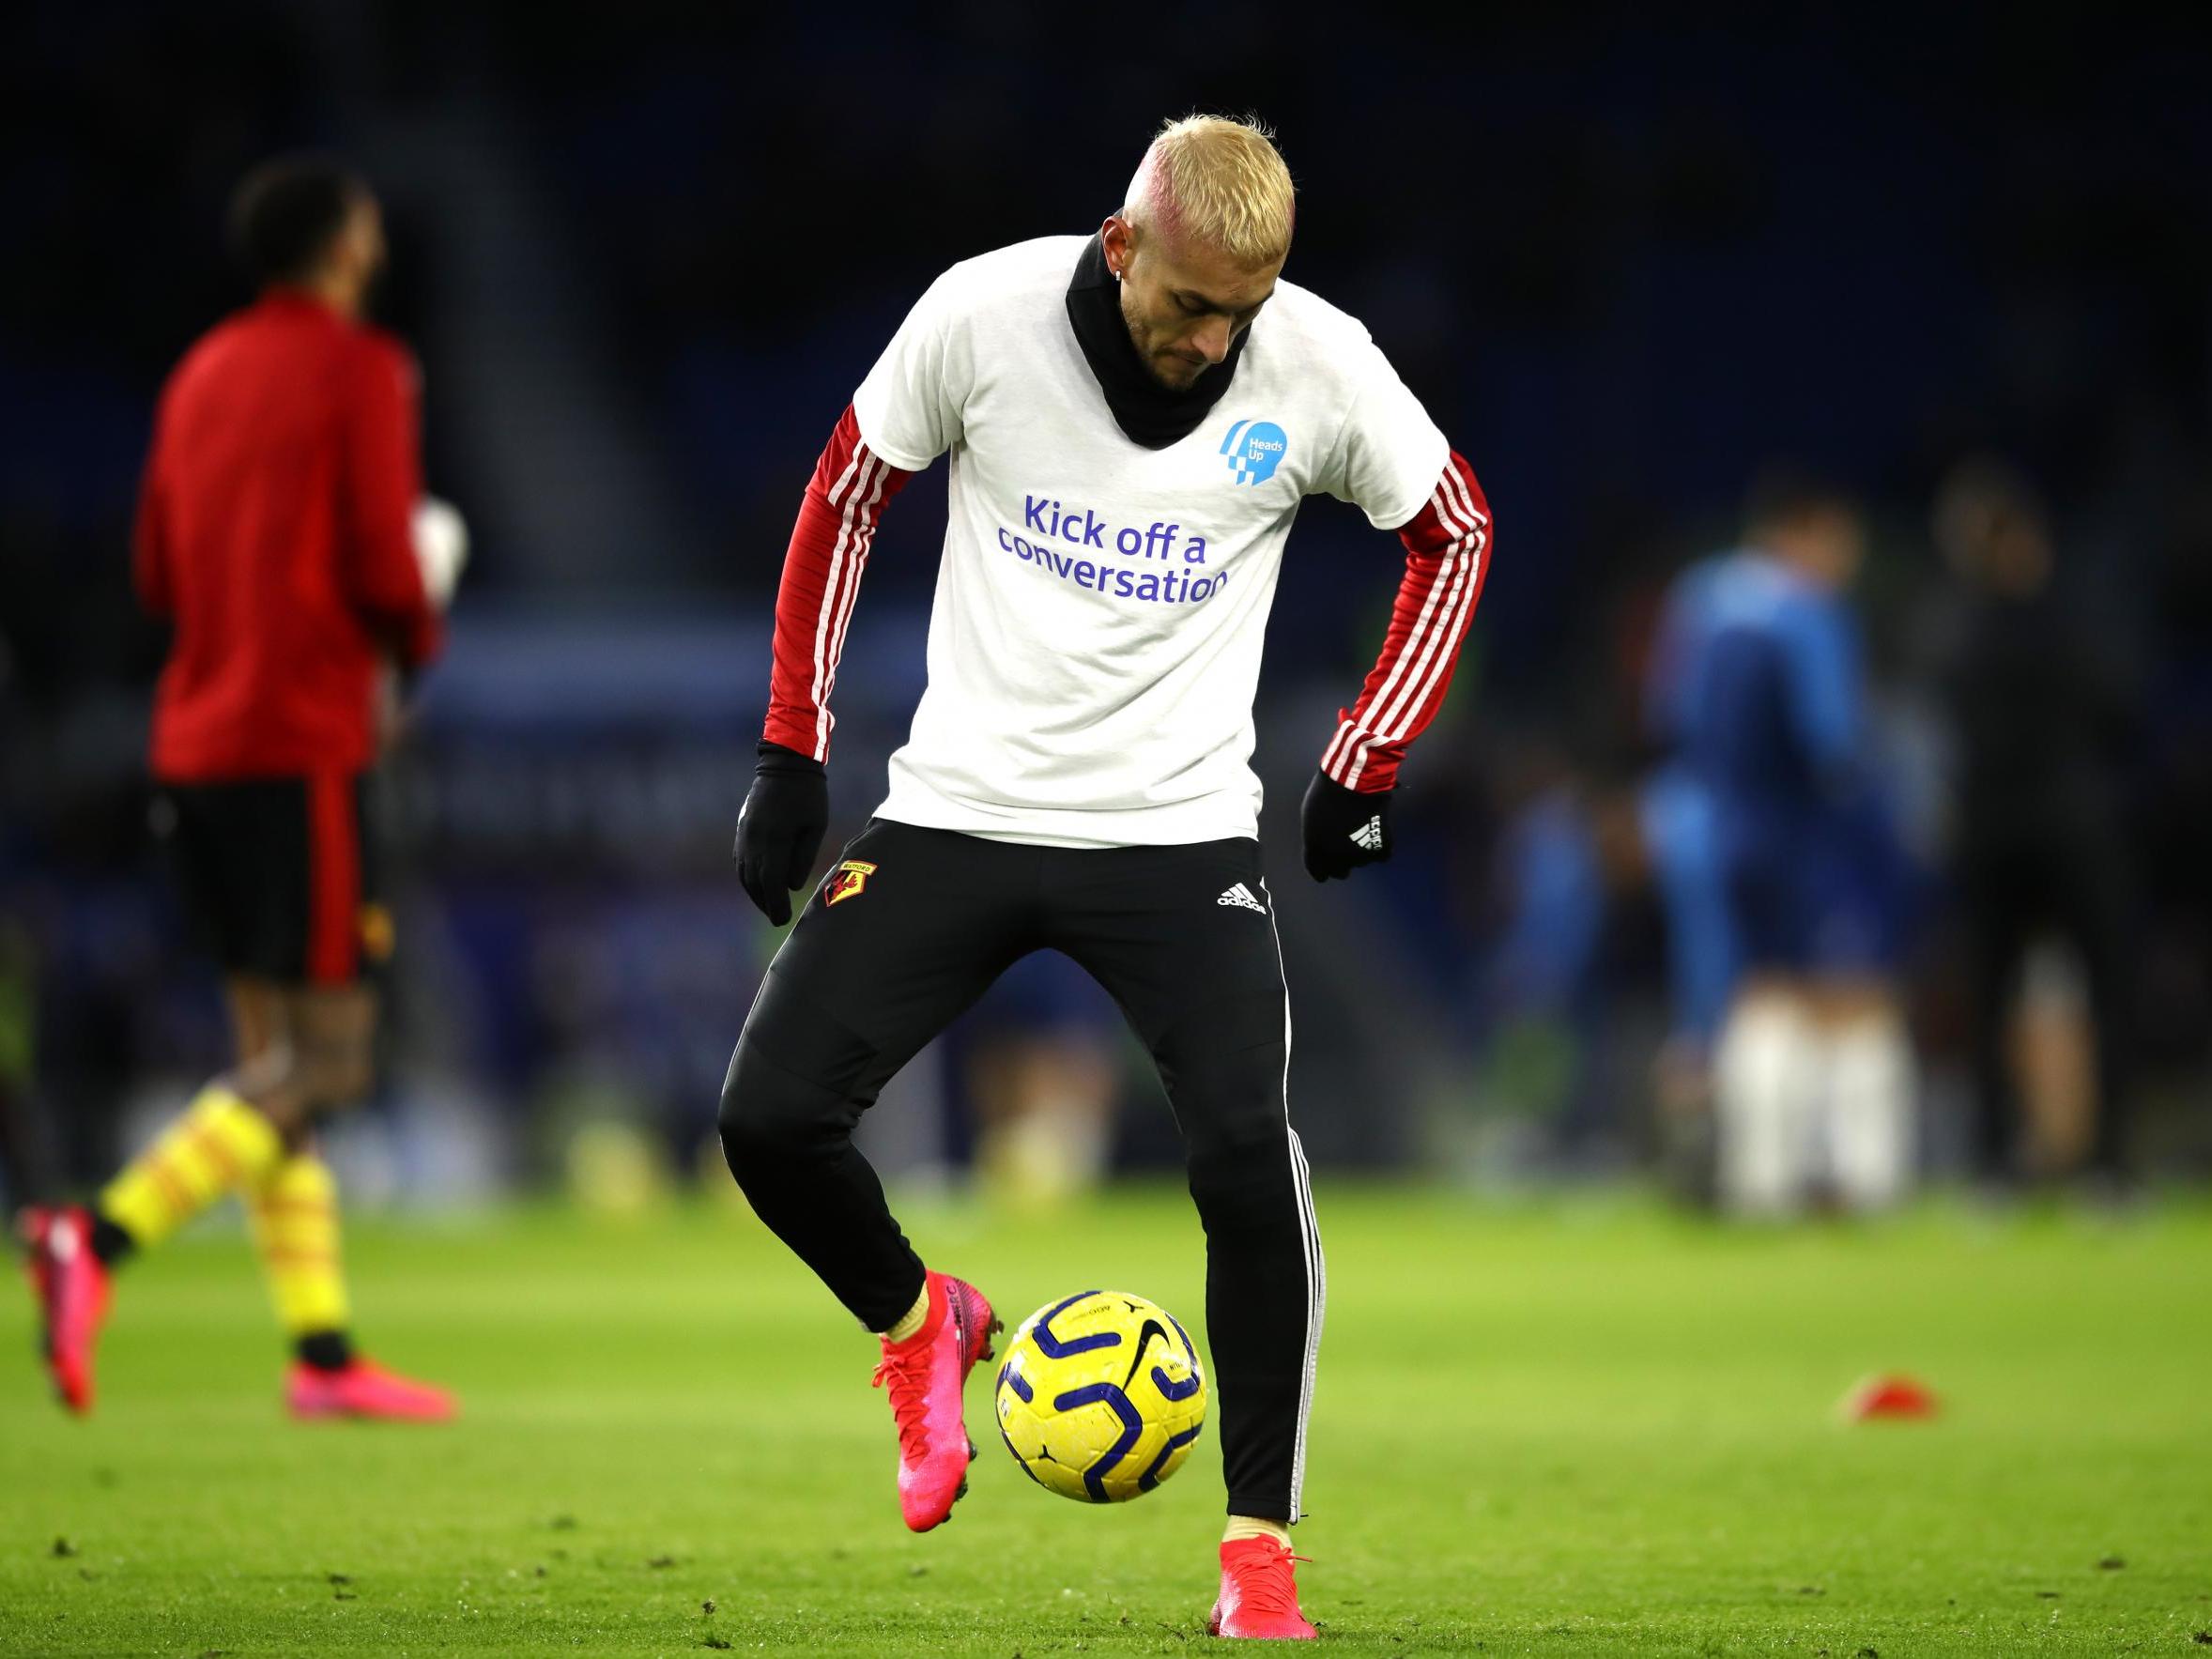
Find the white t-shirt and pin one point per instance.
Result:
(1095, 643)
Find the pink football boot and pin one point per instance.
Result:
(925, 1374)
(73, 1287)
(1259, 1593)
(364, 1390)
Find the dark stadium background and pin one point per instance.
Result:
(646, 253)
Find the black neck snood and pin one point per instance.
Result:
(1147, 412)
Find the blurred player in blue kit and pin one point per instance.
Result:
(1780, 868)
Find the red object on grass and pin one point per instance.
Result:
(1894, 1395)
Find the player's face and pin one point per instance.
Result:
(1835, 544)
(359, 253)
(1184, 304)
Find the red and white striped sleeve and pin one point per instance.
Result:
(822, 572)
(1447, 557)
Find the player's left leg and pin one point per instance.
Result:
(1997, 912)
(1871, 1121)
(2089, 886)
(1766, 1086)
(1767, 1076)
(292, 1210)
(1184, 938)
(293, 1213)
(1858, 903)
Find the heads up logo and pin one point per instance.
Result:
(1255, 449)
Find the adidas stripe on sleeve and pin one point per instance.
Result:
(822, 572)
(1447, 557)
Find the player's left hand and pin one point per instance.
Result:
(390, 709)
(781, 828)
(1344, 828)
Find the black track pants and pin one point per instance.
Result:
(905, 933)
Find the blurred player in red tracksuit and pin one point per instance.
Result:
(277, 531)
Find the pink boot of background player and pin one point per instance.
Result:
(366, 1390)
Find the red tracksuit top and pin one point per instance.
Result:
(275, 531)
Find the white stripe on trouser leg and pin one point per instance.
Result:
(1317, 1300)
(1309, 1239)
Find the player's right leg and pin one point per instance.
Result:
(907, 930)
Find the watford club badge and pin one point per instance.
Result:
(847, 880)
(377, 935)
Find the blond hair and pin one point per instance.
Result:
(1220, 180)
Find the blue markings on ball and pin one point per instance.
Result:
(1171, 1390)
(1150, 1477)
(1133, 1424)
(1188, 1386)
(1010, 1379)
(1186, 1336)
(1024, 1461)
(1053, 1348)
(1152, 1328)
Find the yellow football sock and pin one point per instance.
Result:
(294, 1212)
(910, 1321)
(1251, 1527)
(219, 1144)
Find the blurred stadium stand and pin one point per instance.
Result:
(645, 257)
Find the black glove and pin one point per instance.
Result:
(781, 829)
(1343, 829)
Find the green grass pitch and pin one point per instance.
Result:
(1571, 1428)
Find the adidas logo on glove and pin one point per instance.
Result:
(1368, 837)
(1241, 896)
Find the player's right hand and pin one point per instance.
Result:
(781, 829)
